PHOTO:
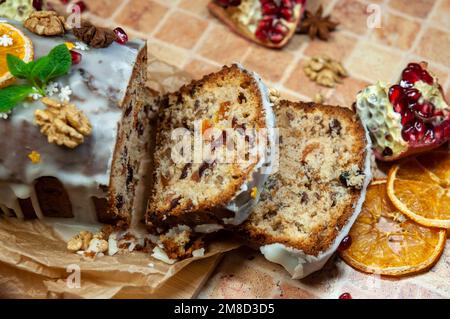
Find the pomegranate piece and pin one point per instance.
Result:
(277, 19)
(346, 295)
(76, 57)
(345, 243)
(424, 121)
(121, 36)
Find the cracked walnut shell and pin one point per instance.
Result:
(47, 23)
(63, 123)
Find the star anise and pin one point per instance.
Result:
(315, 25)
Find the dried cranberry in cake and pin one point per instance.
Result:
(268, 22)
(407, 118)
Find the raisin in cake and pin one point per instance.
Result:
(206, 194)
(310, 203)
(98, 180)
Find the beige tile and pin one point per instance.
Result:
(435, 45)
(374, 63)
(142, 15)
(396, 31)
(224, 46)
(198, 7)
(182, 30)
(441, 15)
(167, 53)
(102, 8)
(339, 47)
(417, 8)
(197, 68)
(299, 82)
(270, 64)
(345, 93)
(352, 15)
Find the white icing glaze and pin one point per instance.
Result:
(299, 264)
(99, 84)
(243, 203)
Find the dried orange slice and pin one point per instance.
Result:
(420, 188)
(386, 242)
(14, 42)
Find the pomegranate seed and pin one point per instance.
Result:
(286, 14)
(413, 132)
(345, 243)
(276, 38)
(346, 295)
(429, 136)
(269, 9)
(121, 36)
(76, 57)
(400, 106)
(425, 110)
(407, 117)
(426, 77)
(81, 7)
(395, 93)
(413, 95)
(414, 66)
(411, 76)
(286, 3)
(65, 1)
(37, 4)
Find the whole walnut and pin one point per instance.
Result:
(47, 23)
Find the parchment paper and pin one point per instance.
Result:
(35, 263)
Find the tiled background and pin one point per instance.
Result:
(184, 34)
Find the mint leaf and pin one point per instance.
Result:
(12, 95)
(17, 67)
(55, 64)
(39, 70)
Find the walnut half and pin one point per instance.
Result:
(63, 123)
(46, 23)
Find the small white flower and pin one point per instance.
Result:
(65, 93)
(81, 46)
(6, 40)
(35, 95)
(52, 88)
(4, 116)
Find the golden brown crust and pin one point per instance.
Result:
(206, 209)
(321, 237)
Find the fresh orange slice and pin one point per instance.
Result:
(21, 47)
(420, 188)
(386, 242)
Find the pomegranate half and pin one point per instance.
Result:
(271, 23)
(407, 118)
